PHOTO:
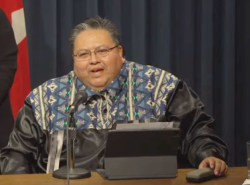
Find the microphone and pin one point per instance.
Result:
(70, 172)
(81, 97)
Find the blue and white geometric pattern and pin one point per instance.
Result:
(138, 92)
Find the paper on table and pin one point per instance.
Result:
(246, 182)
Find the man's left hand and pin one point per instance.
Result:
(219, 166)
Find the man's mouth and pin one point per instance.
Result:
(96, 70)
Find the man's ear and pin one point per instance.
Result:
(121, 53)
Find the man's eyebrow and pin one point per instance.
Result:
(83, 49)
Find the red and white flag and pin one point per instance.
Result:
(21, 86)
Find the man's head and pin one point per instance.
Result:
(98, 55)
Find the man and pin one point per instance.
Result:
(117, 90)
(8, 62)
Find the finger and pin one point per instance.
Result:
(223, 168)
(226, 169)
(221, 171)
(217, 168)
(211, 163)
(203, 164)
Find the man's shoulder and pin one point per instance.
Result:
(148, 71)
(52, 84)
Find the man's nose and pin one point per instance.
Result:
(93, 58)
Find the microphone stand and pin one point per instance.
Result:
(70, 172)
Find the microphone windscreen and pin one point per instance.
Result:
(80, 98)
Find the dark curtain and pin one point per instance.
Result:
(204, 42)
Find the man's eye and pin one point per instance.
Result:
(102, 51)
(83, 54)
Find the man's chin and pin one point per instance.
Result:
(98, 86)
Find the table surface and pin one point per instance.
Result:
(235, 176)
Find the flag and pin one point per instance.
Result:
(21, 85)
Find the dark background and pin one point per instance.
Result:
(204, 42)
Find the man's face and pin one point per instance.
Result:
(97, 72)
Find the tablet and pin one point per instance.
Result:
(137, 153)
